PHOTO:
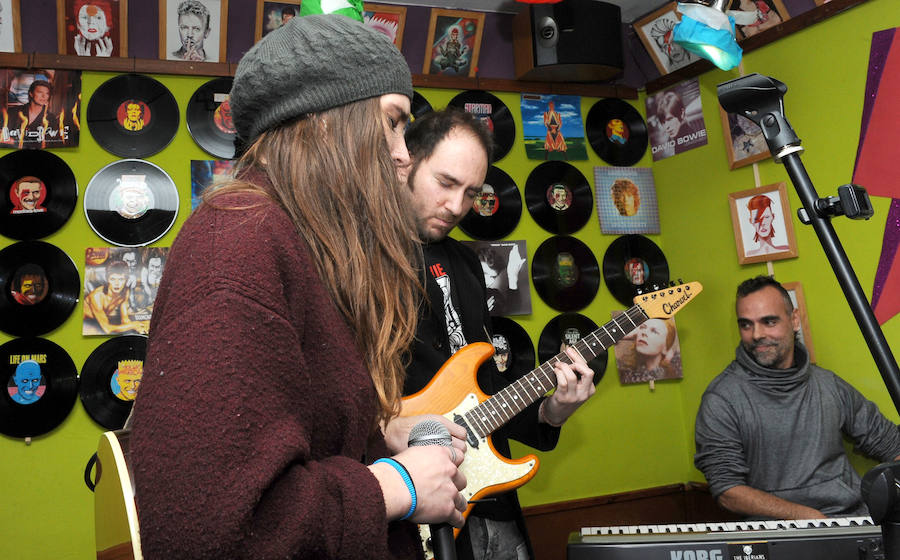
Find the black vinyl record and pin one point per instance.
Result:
(39, 194)
(419, 106)
(208, 117)
(41, 386)
(110, 379)
(131, 202)
(569, 328)
(632, 263)
(494, 113)
(558, 197)
(513, 350)
(496, 209)
(616, 131)
(132, 116)
(39, 288)
(565, 273)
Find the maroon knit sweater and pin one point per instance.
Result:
(252, 431)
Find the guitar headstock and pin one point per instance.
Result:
(663, 304)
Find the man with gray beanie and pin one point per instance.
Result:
(274, 366)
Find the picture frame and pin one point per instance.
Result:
(744, 140)
(822, 2)
(102, 32)
(199, 45)
(390, 20)
(446, 52)
(272, 15)
(10, 27)
(654, 30)
(762, 226)
(770, 13)
(795, 290)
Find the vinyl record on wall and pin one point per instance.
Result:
(633, 263)
(496, 210)
(558, 197)
(494, 113)
(567, 329)
(208, 118)
(110, 379)
(565, 273)
(513, 349)
(39, 194)
(616, 131)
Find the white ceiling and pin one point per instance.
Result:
(631, 9)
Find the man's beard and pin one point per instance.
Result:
(768, 352)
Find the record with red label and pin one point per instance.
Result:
(208, 118)
(565, 330)
(492, 113)
(496, 210)
(39, 288)
(565, 273)
(110, 379)
(39, 194)
(634, 263)
(132, 116)
(41, 386)
(558, 197)
(616, 131)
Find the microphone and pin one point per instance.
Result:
(432, 432)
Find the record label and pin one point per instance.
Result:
(39, 288)
(565, 330)
(132, 116)
(634, 263)
(209, 120)
(110, 379)
(616, 132)
(41, 386)
(565, 273)
(131, 202)
(513, 350)
(496, 210)
(494, 113)
(39, 194)
(558, 197)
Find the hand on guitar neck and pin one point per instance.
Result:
(574, 386)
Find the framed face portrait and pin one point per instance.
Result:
(762, 228)
(769, 14)
(192, 30)
(389, 20)
(795, 290)
(454, 41)
(10, 29)
(744, 140)
(272, 15)
(655, 31)
(92, 27)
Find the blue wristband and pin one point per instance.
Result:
(404, 474)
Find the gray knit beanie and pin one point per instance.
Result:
(311, 64)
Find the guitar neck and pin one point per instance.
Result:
(513, 399)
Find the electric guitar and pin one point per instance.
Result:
(454, 394)
(115, 514)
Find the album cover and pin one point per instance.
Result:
(41, 108)
(552, 127)
(205, 172)
(505, 267)
(675, 120)
(626, 200)
(649, 353)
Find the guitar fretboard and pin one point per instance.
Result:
(500, 408)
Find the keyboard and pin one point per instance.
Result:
(850, 538)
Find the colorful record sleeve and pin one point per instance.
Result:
(552, 127)
(42, 109)
(626, 200)
(651, 352)
(505, 267)
(205, 173)
(675, 120)
(124, 280)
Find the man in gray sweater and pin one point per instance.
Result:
(769, 429)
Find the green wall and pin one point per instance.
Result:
(626, 437)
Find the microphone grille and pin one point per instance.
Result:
(429, 432)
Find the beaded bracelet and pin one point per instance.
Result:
(404, 474)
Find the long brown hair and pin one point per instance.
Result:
(333, 174)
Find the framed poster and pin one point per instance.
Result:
(744, 140)
(769, 13)
(762, 227)
(655, 32)
(272, 15)
(10, 26)
(454, 41)
(389, 20)
(795, 290)
(192, 30)
(92, 27)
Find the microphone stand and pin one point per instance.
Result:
(760, 99)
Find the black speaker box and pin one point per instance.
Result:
(573, 40)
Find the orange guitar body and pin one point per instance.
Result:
(453, 392)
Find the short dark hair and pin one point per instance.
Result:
(194, 8)
(757, 283)
(426, 132)
(288, 10)
(34, 85)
